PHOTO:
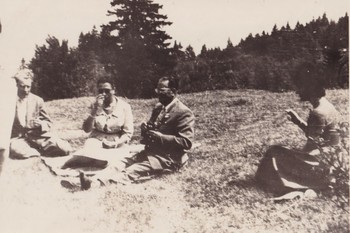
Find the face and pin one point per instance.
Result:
(106, 90)
(165, 94)
(23, 87)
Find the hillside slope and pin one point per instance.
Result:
(215, 192)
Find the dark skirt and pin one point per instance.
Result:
(283, 170)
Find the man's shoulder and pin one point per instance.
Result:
(182, 105)
(179, 106)
(33, 97)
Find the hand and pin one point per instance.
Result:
(98, 104)
(154, 136)
(36, 123)
(118, 142)
(108, 144)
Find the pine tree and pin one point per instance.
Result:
(53, 65)
(142, 45)
(204, 51)
(229, 44)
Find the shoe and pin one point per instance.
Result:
(70, 185)
(289, 196)
(84, 181)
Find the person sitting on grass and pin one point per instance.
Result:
(31, 131)
(167, 136)
(283, 170)
(111, 127)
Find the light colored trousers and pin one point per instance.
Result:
(116, 157)
(22, 148)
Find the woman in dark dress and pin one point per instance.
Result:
(283, 170)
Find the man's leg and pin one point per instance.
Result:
(54, 146)
(20, 149)
(132, 173)
(136, 170)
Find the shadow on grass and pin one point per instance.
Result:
(250, 182)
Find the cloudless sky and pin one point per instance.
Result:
(26, 23)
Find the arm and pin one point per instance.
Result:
(89, 123)
(184, 136)
(315, 125)
(128, 127)
(296, 119)
(43, 120)
(96, 108)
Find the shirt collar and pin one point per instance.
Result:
(114, 107)
(22, 99)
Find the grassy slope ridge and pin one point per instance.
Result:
(215, 192)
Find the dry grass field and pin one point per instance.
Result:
(215, 192)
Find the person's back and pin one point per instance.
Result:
(322, 125)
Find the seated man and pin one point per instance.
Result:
(31, 130)
(111, 127)
(167, 136)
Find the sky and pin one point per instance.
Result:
(27, 23)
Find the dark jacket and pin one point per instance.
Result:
(177, 127)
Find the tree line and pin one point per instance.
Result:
(134, 51)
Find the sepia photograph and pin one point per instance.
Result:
(174, 116)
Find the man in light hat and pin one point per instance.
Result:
(31, 130)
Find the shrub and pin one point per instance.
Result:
(335, 159)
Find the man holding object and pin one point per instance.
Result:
(31, 131)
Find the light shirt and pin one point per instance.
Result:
(22, 110)
(119, 123)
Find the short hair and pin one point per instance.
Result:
(105, 80)
(23, 74)
(173, 82)
(318, 91)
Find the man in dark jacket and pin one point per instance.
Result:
(167, 135)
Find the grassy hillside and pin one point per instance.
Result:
(215, 192)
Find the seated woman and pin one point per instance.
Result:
(110, 125)
(283, 170)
